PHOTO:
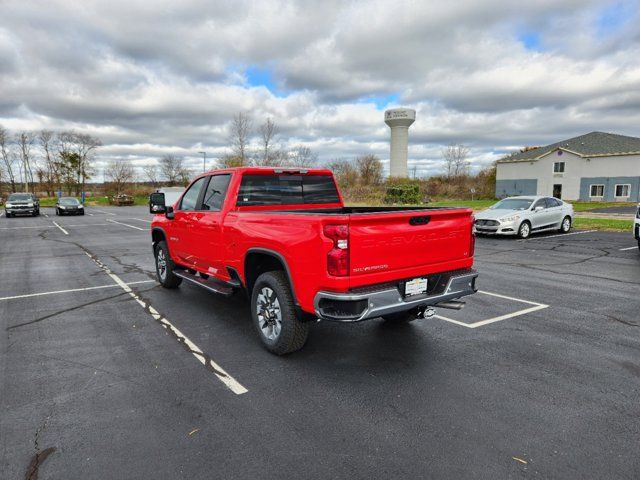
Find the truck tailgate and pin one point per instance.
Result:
(396, 241)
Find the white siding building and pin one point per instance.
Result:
(593, 167)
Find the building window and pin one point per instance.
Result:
(558, 167)
(623, 190)
(597, 191)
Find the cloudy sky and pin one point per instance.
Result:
(156, 77)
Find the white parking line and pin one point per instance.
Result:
(62, 229)
(55, 292)
(628, 248)
(90, 214)
(46, 215)
(102, 211)
(141, 220)
(536, 306)
(125, 224)
(1, 213)
(561, 235)
(207, 361)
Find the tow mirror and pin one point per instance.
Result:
(156, 203)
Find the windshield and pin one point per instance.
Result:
(513, 204)
(69, 201)
(19, 197)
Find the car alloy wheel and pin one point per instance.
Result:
(566, 224)
(525, 230)
(269, 313)
(161, 264)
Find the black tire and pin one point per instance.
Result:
(165, 275)
(399, 318)
(292, 333)
(82, 212)
(565, 225)
(8, 215)
(57, 212)
(524, 230)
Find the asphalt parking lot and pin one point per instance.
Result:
(538, 377)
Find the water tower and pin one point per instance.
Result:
(399, 120)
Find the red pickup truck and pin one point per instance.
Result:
(285, 237)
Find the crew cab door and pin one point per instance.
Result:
(208, 238)
(182, 242)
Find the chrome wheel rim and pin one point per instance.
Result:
(161, 263)
(524, 230)
(269, 313)
(566, 224)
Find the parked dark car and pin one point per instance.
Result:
(22, 204)
(69, 206)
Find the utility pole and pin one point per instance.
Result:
(204, 161)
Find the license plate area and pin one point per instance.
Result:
(417, 286)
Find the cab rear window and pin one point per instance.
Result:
(286, 190)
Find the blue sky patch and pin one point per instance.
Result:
(258, 76)
(531, 40)
(381, 101)
(613, 17)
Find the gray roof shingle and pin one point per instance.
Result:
(591, 144)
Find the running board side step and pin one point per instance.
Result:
(210, 284)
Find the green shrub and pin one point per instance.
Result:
(403, 193)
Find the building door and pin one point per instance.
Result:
(557, 190)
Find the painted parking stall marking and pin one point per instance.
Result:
(535, 306)
(628, 248)
(230, 382)
(61, 229)
(125, 224)
(71, 290)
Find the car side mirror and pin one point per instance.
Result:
(538, 208)
(156, 203)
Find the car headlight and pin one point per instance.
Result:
(9, 205)
(80, 206)
(512, 218)
(63, 207)
(30, 204)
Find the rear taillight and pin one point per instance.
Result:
(338, 256)
(472, 246)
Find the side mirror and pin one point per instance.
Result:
(538, 208)
(156, 203)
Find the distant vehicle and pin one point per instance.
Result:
(523, 216)
(171, 194)
(69, 206)
(22, 203)
(121, 200)
(636, 226)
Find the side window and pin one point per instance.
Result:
(551, 202)
(190, 198)
(540, 203)
(215, 193)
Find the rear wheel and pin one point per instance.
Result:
(274, 314)
(565, 226)
(165, 267)
(525, 230)
(399, 318)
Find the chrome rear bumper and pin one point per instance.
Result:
(356, 306)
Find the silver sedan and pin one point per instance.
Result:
(523, 216)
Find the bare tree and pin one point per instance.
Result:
(8, 157)
(119, 173)
(345, 172)
(302, 156)
(172, 169)
(455, 158)
(152, 174)
(24, 140)
(77, 150)
(370, 169)
(268, 155)
(239, 133)
(48, 173)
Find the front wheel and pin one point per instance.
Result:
(525, 230)
(565, 226)
(165, 267)
(57, 212)
(274, 314)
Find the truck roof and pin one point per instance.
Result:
(274, 170)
